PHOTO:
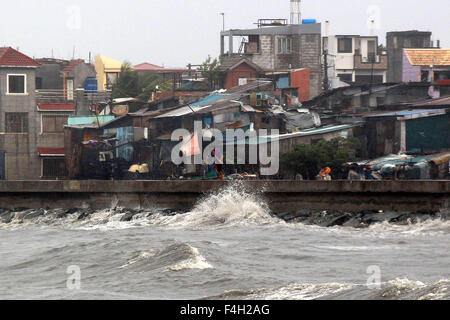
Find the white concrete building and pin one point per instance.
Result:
(353, 59)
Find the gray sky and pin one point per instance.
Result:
(176, 32)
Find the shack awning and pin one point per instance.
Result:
(68, 107)
(51, 152)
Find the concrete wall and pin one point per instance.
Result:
(80, 73)
(50, 75)
(306, 53)
(281, 195)
(410, 73)
(395, 43)
(22, 161)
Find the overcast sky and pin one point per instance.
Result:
(178, 32)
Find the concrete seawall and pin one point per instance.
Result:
(281, 195)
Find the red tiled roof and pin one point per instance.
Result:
(46, 151)
(148, 67)
(12, 57)
(72, 65)
(57, 107)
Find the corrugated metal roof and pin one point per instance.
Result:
(257, 84)
(404, 113)
(443, 101)
(309, 132)
(179, 112)
(209, 99)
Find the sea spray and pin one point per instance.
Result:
(230, 206)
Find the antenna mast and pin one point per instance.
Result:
(296, 12)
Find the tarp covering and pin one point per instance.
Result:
(190, 146)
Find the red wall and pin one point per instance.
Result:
(241, 71)
(300, 80)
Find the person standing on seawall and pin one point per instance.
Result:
(218, 163)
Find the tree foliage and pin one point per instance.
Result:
(210, 72)
(308, 160)
(131, 84)
(127, 84)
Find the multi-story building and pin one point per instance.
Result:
(354, 59)
(32, 121)
(396, 42)
(19, 120)
(276, 46)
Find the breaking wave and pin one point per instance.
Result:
(230, 206)
(175, 257)
(398, 289)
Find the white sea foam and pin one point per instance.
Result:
(229, 207)
(196, 261)
(306, 291)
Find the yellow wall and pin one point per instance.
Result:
(104, 65)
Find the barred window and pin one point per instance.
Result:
(284, 45)
(54, 168)
(54, 123)
(16, 122)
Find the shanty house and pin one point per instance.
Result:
(237, 71)
(409, 131)
(426, 65)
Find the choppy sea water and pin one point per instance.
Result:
(229, 246)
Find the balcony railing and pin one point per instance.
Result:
(377, 62)
(61, 95)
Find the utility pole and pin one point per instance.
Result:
(326, 85)
(372, 59)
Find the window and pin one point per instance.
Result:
(407, 43)
(69, 86)
(16, 84)
(54, 168)
(345, 45)
(111, 78)
(53, 123)
(16, 122)
(310, 38)
(253, 44)
(284, 45)
(38, 83)
(243, 81)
